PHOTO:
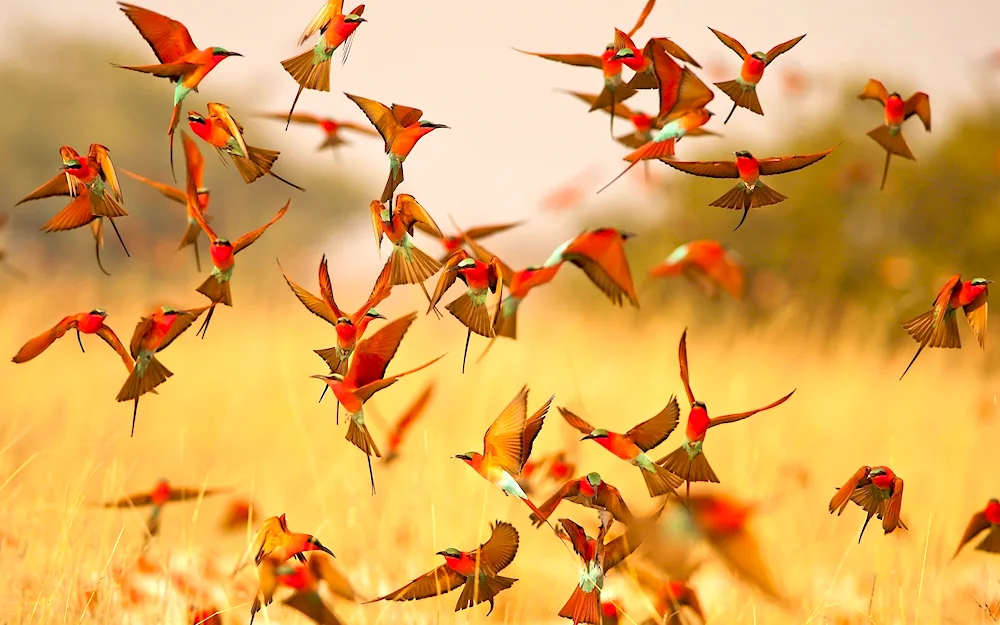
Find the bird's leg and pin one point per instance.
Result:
(733, 110)
(468, 337)
(80, 341)
(885, 171)
(119, 236)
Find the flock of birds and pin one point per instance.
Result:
(359, 362)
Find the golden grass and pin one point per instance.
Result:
(241, 411)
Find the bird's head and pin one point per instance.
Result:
(313, 544)
(355, 16)
(222, 242)
(170, 310)
(594, 479)
(450, 552)
(596, 435)
(202, 191)
(708, 113)
(698, 404)
(994, 502)
(195, 118)
(222, 53)
(895, 95)
(468, 457)
(344, 321)
(428, 124)
(760, 56)
(610, 46)
(624, 54)
(71, 165)
(742, 154)
(876, 472)
(99, 312)
(468, 263)
(374, 314)
(980, 282)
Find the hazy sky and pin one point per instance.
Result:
(514, 138)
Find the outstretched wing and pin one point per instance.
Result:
(485, 256)
(168, 191)
(874, 90)
(743, 415)
(378, 225)
(891, 519)
(780, 49)
(181, 323)
(128, 501)
(331, 9)
(498, 552)
(373, 354)
(503, 442)
(532, 426)
(682, 359)
(843, 494)
(312, 303)
(577, 537)
(194, 209)
(109, 337)
(731, 43)
(620, 110)
(480, 232)
(975, 313)
(195, 161)
(977, 524)
(58, 185)
(707, 169)
(609, 498)
(40, 343)
(622, 41)
(102, 156)
(247, 239)
(785, 164)
(570, 490)
(411, 212)
(496, 277)
(652, 432)
(601, 255)
(579, 60)
(380, 291)
(326, 287)
(642, 17)
(406, 115)
(918, 104)
(576, 422)
(447, 277)
(185, 494)
(168, 38)
(439, 581)
(324, 568)
(692, 94)
(220, 112)
(412, 413)
(381, 117)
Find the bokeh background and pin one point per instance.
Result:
(832, 272)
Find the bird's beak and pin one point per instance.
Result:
(326, 551)
(440, 126)
(63, 167)
(361, 19)
(989, 282)
(587, 437)
(456, 268)
(234, 54)
(461, 457)
(439, 553)
(380, 316)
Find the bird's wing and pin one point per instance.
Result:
(843, 494)
(194, 209)
(378, 225)
(652, 432)
(496, 276)
(975, 312)
(181, 323)
(348, 125)
(381, 117)
(707, 169)
(609, 498)
(439, 581)
(672, 49)
(220, 112)
(485, 256)
(380, 291)
(102, 156)
(499, 550)
(682, 359)
(406, 115)
(579, 60)
(570, 491)
(785, 164)
(141, 329)
(109, 337)
(642, 17)
(743, 415)
(324, 567)
(326, 287)
(621, 109)
(313, 607)
(413, 411)
(602, 257)
(411, 212)
(577, 537)
(447, 277)
(312, 303)
(891, 519)
(247, 239)
(58, 185)
(918, 104)
(273, 533)
(168, 191)
(373, 354)
(622, 41)
(503, 442)
(978, 523)
(480, 232)
(874, 90)
(692, 94)
(941, 302)
(780, 49)
(365, 392)
(302, 118)
(668, 78)
(331, 9)
(574, 421)
(168, 38)
(40, 343)
(731, 43)
(129, 501)
(195, 161)
(532, 426)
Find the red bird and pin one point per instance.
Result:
(333, 137)
(938, 326)
(405, 422)
(897, 110)
(162, 494)
(689, 461)
(600, 253)
(641, 61)
(453, 243)
(590, 491)
(987, 520)
(270, 563)
(305, 580)
(672, 596)
(407, 263)
(88, 323)
(709, 265)
(878, 491)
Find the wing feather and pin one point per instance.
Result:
(652, 432)
(439, 581)
(247, 239)
(918, 104)
(874, 90)
(109, 337)
(707, 169)
(576, 422)
(373, 354)
(169, 39)
(498, 552)
(503, 442)
(381, 117)
(785, 164)
(220, 112)
(578, 60)
(780, 49)
(975, 313)
(731, 43)
(102, 156)
(743, 415)
(312, 303)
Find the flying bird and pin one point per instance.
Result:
(407, 263)
(477, 570)
(455, 242)
(938, 327)
(986, 520)
(413, 412)
(709, 265)
(750, 191)
(332, 128)
(311, 69)
(640, 61)
(878, 491)
(896, 111)
(305, 580)
(161, 494)
(743, 90)
(270, 563)
(87, 323)
(365, 377)
(633, 445)
(670, 596)
(179, 59)
(272, 534)
(688, 461)
(401, 127)
(590, 491)
(600, 253)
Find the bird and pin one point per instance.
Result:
(195, 164)
(710, 266)
(455, 242)
(179, 59)
(688, 461)
(305, 580)
(507, 446)
(225, 134)
(600, 253)
(154, 333)
(216, 286)
(470, 307)
(590, 491)
(366, 376)
(161, 494)
(633, 445)
(401, 127)
(896, 111)
(743, 89)
(332, 128)
(269, 564)
(938, 327)
(407, 263)
(670, 596)
(311, 69)
(272, 534)
(878, 491)
(750, 191)
(640, 61)
(985, 520)
(413, 412)
(92, 322)
(477, 570)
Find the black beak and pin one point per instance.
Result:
(440, 126)
(234, 54)
(325, 550)
(587, 437)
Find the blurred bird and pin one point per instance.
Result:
(239, 513)
(938, 327)
(709, 265)
(453, 243)
(401, 127)
(88, 323)
(311, 69)
(670, 597)
(633, 445)
(610, 614)
(689, 461)
(195, 177)
(600, 253)
(331, 128)
(407, 263)
(180, 60)
(272, 534)
(641, 61)
(413, 412)
(161, 494)
(477, 570)
(205, 616)
(305, 580)
(986, 519)
(750, 191)
(365, 377)
(590, 491)
(743, 90)
(216, 286)
(480, 280)
(269, 564)
(507, 446)
(896, 110)
(154, 333)
(878, 491)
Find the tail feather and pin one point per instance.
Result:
(486, 589)
(307, 73)
(411, 266)
(651, 150)
(505, 323)
(331, 356)
(218, 292)
(394, 180)
(474, 317)
(608, 97)
(892, 143)
(360, 437)
(191, 234)
(256, 164)
(583, 607)
(662, 482)
(741, 96)
(175, 118)
(76, 214)
(644, 80)
(139, 384)
(740, 199)
(106, 206)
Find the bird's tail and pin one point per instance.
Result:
(661, 481)
(218, 292)
(745, 97)
(138, 384)
(331, 357)
(410, 265)
(892, 143)
(394, 180)
(474, 593)
(698, 469)
(739, 198)
(76, 214)
(257, 163)
(583, 607)
(924, 330)
(475, 317)
(105, 205)
(644, 80)
(990, 544)
(360, 437)
(175, 118)
(307, 72)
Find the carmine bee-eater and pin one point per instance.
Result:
(640, 61)
(365, 377)
(225, 134)
(633, 445)
(413, 412)
(643, 124)
(470, 307)
(986, 520)
(689, 461)
(305, 580)
(407, 263)
(332, 137)
(709, 265)
(88, 323)
(878, 491)
(455, 242)
(590, 491)
(154, 333)
(180, 60)
(478, 570)
(270, 563)
(272, 534)
(311, 69)
(896, 110)
(161, 494)
(743, 90)
(670, 596)
(750, 191)
(216, 286)
(196, 177)
(401, 127)
(507, 445)
(600, 253)
(938, 327)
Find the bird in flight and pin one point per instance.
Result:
(896, 110)
(162, 494)
(86, 323)
(986, 520)
(333, 129)
(590, 491)
(878, 491)
(709, 265)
